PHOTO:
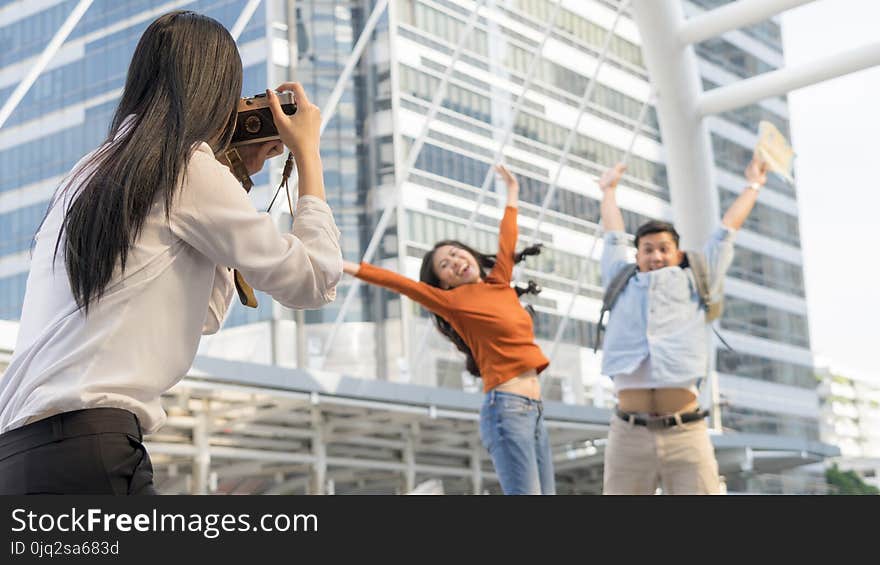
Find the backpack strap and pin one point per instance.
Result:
(612, 293)
(700, 268)
(714, 308)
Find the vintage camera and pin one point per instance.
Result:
(254, 122)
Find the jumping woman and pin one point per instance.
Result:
(476, 308)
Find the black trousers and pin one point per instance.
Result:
(93, 451)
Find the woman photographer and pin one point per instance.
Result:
(132, 264)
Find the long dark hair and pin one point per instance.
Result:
(429, 276)
(486, 262)
(182, 87)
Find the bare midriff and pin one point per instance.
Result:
(524, 384)
(657, 401)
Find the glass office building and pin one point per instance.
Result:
(767, 382)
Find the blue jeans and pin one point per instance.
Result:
(512, 430)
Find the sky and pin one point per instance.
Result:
(836, 136)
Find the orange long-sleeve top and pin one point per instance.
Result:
(487, 315)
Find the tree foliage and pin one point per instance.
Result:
(847, 482)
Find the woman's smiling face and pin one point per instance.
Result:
(455, 266)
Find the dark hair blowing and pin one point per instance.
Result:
(182, 87)
(429, 276)
(656, 226)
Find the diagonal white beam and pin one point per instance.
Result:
(534, 65)
(327, 113)
(577, 387)
(785, 80)
(732, 16)
(439, 96)
(48, 52)
(578, 284)
(329, 108)
(412, 157)
(246, 14)
(582, 109)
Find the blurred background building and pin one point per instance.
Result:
(516, 75)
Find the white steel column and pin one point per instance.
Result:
(202, 457)
(676, 77)
(409, 461)
(582, 108)
(477, 466)
(690, 162)
(732, 16)
(318, 476)
(775, 83)
(383, 345)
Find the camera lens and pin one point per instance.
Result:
(253, 124)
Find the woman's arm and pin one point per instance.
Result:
(301, 134)
(508, 231)
(434, 299)
(214, 215)
(350, 268)
(512, 185)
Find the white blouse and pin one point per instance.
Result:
(140, 338)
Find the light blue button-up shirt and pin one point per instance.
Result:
(658, 314)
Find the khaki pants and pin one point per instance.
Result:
(680, 459)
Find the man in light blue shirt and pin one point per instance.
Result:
(655, 348)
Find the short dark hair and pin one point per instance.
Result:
(656, 226)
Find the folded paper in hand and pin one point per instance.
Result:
(774, 150)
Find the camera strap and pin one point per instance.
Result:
(245, 291)
(236, 165)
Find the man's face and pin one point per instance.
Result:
(657, 250)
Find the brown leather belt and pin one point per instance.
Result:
(661, 422)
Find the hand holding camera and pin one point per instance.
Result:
(255, 155)
(265, 121)
(301, 131)
(286, 115)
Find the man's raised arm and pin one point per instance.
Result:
(612, 219)
(756, 175)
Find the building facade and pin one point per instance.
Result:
(549, 137)
(850, 419)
